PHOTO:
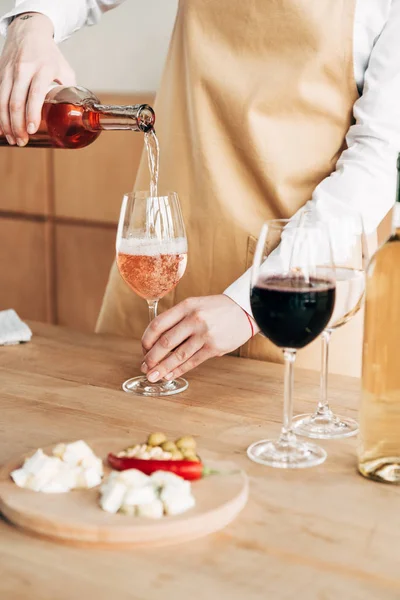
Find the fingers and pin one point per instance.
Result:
(37, 94)
(176, 359)
(168, 341)
(166, 321)
(194, 361)
(38, 90)
(18, 100)
(5, 123)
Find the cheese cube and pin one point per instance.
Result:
(76, 452)
(140, 496)
(59, 450)
(154, 510)
(66, 477)
(133, 478)
(20, 477)
(175, 502)
(50, 468)
(54, 487)
(163, 478)
(107, 483)
(88, 478)
(93, 462)
(113, 498)
(35, 463)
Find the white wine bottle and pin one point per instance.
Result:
(379, 448)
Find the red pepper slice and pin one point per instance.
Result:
(187, 469)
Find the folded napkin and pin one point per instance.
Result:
(12, 329)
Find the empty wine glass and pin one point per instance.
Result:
(350, 255)
(292, 300)
(151, 258)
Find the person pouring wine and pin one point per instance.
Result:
(264, 107)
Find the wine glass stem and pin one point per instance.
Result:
(323, 406)
(153, 305)
(287, 435)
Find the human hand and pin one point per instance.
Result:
(29, 63)
(191, 332)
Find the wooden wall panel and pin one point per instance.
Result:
(84, 255)
(24, 268)
(25, 180)
(89, 183)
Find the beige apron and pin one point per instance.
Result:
(252, 114)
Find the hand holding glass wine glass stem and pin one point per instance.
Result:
(190, 333)
(151, 259)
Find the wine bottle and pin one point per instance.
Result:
(379, 447)
(72, 117)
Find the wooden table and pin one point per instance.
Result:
(322, 533)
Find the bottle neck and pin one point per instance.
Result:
(102, 117)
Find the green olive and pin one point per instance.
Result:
(156, 439)
(176, 455)
(190, 456)
(186, 442)
(169, 446)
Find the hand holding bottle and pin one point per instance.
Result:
(29, 63)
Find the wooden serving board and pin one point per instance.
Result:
(77, 518)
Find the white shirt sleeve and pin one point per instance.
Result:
(67, 16)
(365, 175)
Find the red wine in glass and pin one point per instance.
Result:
(292, 311)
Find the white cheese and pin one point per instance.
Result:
(76, 452)
(93, 462)
(20, 477)
(133, 493)
(139, 496)
(71, 466)
(163, 478)
(35, 463)
(52, 487)
(43, 471)
(133, 477)
(59, 450)
(113, 498)
(176, 503)
(88, 478)
(154, 510)
(66, 477)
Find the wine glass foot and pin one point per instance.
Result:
(140, 386)
(297, 455)
(324, 426)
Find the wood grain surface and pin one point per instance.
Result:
(323, 533)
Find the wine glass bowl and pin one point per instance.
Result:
(151, 258)
(292, 300)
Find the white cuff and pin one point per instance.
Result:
(239, 291)
(48, 8)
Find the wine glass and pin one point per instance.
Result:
(350, 255)
(151, 258)
(292, 299)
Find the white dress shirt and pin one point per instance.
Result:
(365, 174)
